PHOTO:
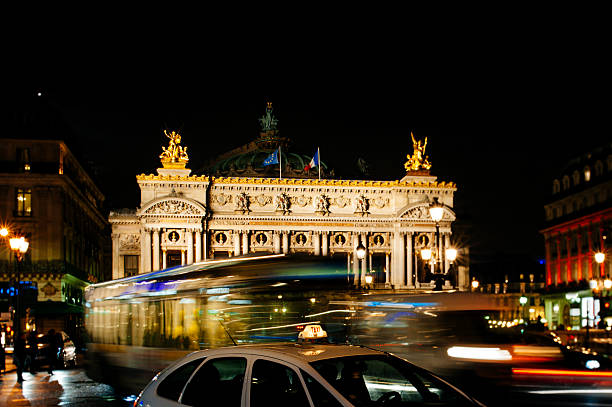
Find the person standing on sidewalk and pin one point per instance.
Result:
(2, 359)
(19, 355)
(52, 350)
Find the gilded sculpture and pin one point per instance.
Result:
(418, 160)
(174, 155)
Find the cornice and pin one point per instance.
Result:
(299, 181)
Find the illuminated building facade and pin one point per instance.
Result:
(246, 207)
(50, 200)
(578, 220)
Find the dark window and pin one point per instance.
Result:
(274, 385)
(130, 265)
(380, 380)
(172, 386)
(23, 203)
(217, 383)
(319, 394)
(23, 158)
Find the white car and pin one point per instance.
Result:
(297, 375)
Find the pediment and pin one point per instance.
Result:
(420, 211)
(173, 206)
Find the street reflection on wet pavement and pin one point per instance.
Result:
(65, 387)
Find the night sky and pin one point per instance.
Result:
(501, 122)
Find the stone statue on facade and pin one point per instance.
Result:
(268, 121)
(282, 203)
(418, 160)
(322, 205)
(242, 203)
(361, 205)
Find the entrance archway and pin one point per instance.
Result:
(173, 258)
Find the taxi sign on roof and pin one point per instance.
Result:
(312, 332)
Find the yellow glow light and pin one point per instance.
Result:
(600, 257)
(4, 232)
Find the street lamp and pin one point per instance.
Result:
(19, 246)
(436, 211)
(361, 251)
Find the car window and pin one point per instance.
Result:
(172, 386)
(218, 382)
(320, 395)
(365, 380)
(273, 384)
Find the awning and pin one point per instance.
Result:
(54, 308)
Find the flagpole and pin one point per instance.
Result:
(319, 165)
(280, 164)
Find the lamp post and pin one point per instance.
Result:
(361, 252)
(436, 211)
(19, 246)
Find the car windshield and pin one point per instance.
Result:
(384, 380)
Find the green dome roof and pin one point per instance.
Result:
(251, 164)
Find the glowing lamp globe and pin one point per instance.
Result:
(426, 254)
(600, 257)
(607, 283)
(451, 254)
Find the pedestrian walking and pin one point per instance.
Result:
(19, 355)
(52, 350)
(2, 359)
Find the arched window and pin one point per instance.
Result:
(566, 182)
(598, 168)
(587, 173)
(576, 178)
(556, 186)
(609, 163)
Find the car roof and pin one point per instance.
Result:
(303, 352)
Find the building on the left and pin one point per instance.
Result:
(50, 200)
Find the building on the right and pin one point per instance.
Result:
(578, 220)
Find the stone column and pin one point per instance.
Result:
(164, 259)
(189, 241)
(182, 257)
(579, 253)
(236, 235)
(356, 276)
(325, 243)
(198, 246)
(387, 268)
(398, 266)
(409, 260)
(276, 242)
(116, 272)
(568, 248)
(205, 245)
(147, 254)
(316, 241)
(155, 249)
(245, 242)
(285, 242)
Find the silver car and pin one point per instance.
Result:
(297, 375)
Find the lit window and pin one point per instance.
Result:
(576, 178)
(556, 186)
(24, 202)
(587, 174)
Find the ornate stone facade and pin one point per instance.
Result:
(199, 218)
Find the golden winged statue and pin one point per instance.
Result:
(174, 153)
(418, 160)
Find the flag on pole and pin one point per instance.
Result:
(272, 158)
(314, 162)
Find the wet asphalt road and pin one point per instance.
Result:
(69, 387)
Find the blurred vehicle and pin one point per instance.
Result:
(138, 325)
(298, 375)
(66, 355)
